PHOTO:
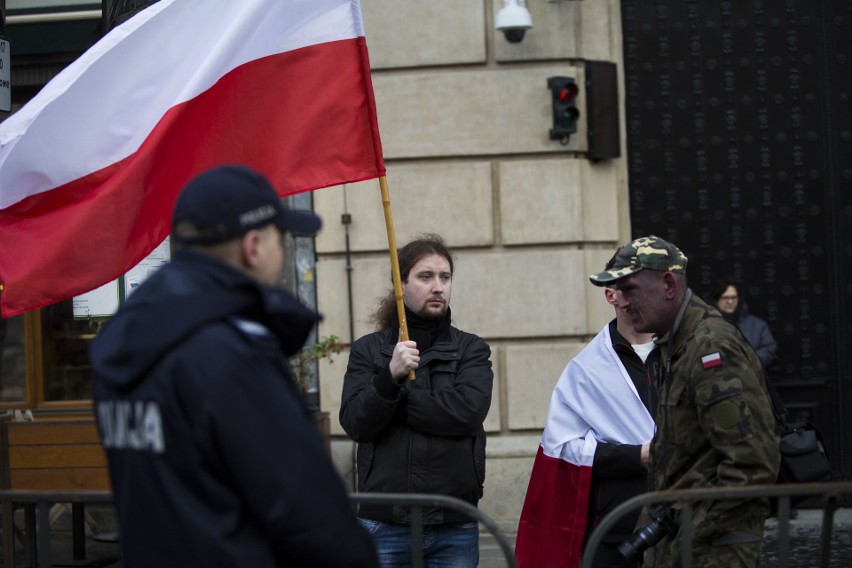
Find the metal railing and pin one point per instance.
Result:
(37, 510)
(418, 502)
(829, 492)
(37, 513)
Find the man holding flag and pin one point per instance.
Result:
(416, 408)
(213, 455)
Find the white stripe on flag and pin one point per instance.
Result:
(176, 51)
(90, 168)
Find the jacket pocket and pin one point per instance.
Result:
(479, 457)
(366, 453)
(672, 395)
(443, 373)
(381, 361)
(672, 401)
(727, 417)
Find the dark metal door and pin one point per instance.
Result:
(739, 137)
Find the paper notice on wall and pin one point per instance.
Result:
(104, 301)
(100, 302)
(149, 265)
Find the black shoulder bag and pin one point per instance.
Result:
(803, 455)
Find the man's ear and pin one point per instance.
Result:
(609, 294)
(671, 285)
(249, 249)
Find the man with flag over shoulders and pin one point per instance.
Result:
(213, 454)
(594, 451)
(423, 435)
(714, 419)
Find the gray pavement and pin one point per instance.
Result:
(803, 542)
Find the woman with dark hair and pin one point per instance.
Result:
(731, 303)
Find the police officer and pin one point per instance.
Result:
(214, 458)
(715, 426)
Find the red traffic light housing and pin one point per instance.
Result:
(564, 93)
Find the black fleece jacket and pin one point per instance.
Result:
(421, 436)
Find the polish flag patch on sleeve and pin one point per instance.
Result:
(712, 360)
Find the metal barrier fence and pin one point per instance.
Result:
(417, 502)
(37, 510)
(829, 492)
(37, 513)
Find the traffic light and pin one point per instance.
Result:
(564, 92)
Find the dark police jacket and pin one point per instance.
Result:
(426, 435)
(213, 455)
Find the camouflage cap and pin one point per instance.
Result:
(649, 252)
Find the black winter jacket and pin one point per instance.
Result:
(213, 455)
(426, 435)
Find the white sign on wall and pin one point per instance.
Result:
(100, 302)
(104, 301)
(145, 269)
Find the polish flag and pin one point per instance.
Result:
(594, 401)
(712, 360)
(90, 168)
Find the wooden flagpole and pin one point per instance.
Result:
(397, 280)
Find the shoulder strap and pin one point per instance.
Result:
(778, 408)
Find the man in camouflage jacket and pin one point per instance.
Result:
(715, 426)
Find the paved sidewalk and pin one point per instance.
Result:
(804, 540)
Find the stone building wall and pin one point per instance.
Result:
(464, 118)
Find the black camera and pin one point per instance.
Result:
(661, 526)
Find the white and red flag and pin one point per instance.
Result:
(90, 168)
(594, 401)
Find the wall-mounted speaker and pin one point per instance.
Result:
(602, 110)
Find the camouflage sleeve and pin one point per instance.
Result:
(736, 415)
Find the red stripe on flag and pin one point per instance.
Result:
(287, 115)
(553, 520)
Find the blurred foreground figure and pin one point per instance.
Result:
(214, 457)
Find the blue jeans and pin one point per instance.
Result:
(451, 545)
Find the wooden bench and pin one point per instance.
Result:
(55, 455)
(49, 456)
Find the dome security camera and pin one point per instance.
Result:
(513, 20)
